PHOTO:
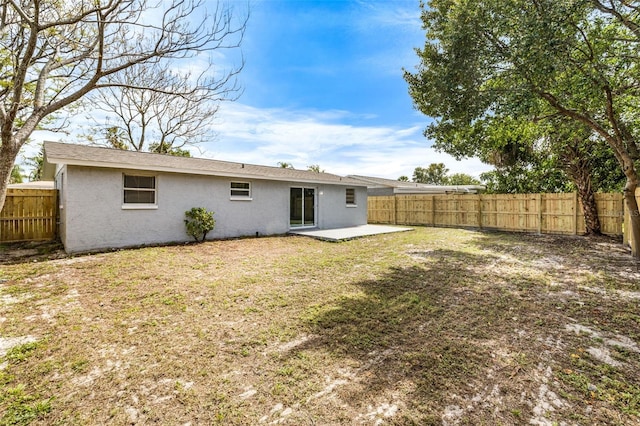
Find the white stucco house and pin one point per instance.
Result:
(111, 198)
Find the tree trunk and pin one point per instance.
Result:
(631, 203)
(7, 160)
(577, 166)
(590, 212)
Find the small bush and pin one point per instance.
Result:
(199, 222)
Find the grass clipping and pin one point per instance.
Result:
(434, 326)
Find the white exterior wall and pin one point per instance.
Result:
(92, 215)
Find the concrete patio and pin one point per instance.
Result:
(343, 234)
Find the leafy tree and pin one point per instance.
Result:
(16, 174)
(403, 178)
(315, 168)
(199, 222)
(485, 61)
(36, 162)
(285, 165)
(168, 150)
(55, 53)
(435, 174)
(462, 179)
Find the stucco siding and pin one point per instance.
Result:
(333, 211)
(93, 216)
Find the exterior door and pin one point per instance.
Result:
(302, 207)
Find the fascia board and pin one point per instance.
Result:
(128, 166)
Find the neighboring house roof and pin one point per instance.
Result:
(38, 184)
(400, 187)
(92, 156)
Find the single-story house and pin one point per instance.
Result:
(110, 198)
(384, 187)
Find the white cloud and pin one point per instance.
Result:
(267, 136)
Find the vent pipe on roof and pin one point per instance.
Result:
(243, 165)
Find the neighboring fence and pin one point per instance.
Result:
(29, 215)
(541, 213)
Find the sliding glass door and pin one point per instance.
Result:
(302, 203)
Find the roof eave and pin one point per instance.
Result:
(156, 168)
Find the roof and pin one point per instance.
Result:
(37, 184)
(92, 156)
(402, 187)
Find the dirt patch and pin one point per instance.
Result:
(437, 326)
(32, 251)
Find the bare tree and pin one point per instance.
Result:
(155, 109)
(54, 53)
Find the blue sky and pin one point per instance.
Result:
(322, 84)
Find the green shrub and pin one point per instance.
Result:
(199, 222)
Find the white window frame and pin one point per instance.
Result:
(246, 191)
(346, 193)
(140, 206)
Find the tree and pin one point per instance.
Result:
(315, 168)
(435, 174)
(462, 179)
(55, 53)
(36, 162)
(16, 174)
(285, 165)
(153, 108)
(486, 61)
(403, 178)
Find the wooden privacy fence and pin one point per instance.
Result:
(541, 213)
(29, 215)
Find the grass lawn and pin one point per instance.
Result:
(433, 326)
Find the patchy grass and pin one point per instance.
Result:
(434, 326)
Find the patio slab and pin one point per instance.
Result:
(343, 234)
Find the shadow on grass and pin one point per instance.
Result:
(427, 329)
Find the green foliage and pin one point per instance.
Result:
(526, 179)
(435, 174)
(16, 174)
(115, 138)
(545, 91)
(315, 168)
(168, 149)
(36, 162)
(403, 178)
(285, 165)
(199, 222)
(462, 179)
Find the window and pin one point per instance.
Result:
(139, 190)
(241, 190)
(351, 196)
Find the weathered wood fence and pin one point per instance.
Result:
(29, 215)
(541, 213)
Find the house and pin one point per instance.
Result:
(384, 187)
(111, 198)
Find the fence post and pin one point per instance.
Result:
(395, 209)
(575, 213)
(433, 210)
(539, 202)
(480, 211)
